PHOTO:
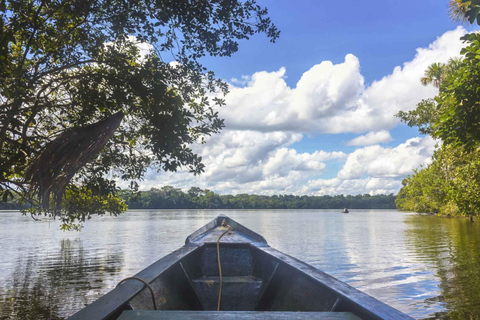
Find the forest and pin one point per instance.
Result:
(169, 197)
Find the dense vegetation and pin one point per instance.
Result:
(80, 100)
(169, 197)
(450, 184)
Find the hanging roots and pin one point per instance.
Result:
(61, 159)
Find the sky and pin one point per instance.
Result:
(313, 113)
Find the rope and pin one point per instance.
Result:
(224, 224)
(145, 283)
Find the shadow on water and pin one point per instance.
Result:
(451, 247)
(47, 285)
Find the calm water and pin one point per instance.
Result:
(427, 267)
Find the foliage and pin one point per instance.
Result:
(426, 189)
(69, 66)
(471, 10)
(457, 10)
(434, 74)
(459, 100)
(421, 117)
(465, 191)
(169, 197)
(450, 184)
(80, 203)
(427, 113)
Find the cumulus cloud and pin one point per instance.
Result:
(249, 161)
(266, 119)
(371, 138)
(285, 160)
(267, 103)
(332, 98)
(378, 162)
(375, 169)
(372, 169)
(368, 185)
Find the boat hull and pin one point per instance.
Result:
(256, 278)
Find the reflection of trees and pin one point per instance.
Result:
(452, 246)
(51, 285)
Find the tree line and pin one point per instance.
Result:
(169, 197)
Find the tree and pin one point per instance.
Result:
(422, 117)
(454, 114)
(195, 192)
(434, 74)
(428, 111)
(467, 10)
(428, 189)
(450, 184)
(80, 100)
(459, 100)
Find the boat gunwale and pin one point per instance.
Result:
(373, 306)
(111, 302)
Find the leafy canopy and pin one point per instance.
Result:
(450, 184)
(80, 100)
(454, 114)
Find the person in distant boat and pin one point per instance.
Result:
(345, 210)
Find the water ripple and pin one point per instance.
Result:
(426, 267)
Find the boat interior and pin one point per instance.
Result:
(251, 282)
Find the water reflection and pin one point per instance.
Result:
(452, 248)
(48, 285)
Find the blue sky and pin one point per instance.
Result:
(382, 34)
(313, 113)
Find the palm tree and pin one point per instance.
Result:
(434, 74)
(453, 65)
(437, 72)
(457, 10)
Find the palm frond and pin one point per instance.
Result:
(457, 10)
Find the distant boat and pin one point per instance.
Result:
(345, 210)
(258, 282)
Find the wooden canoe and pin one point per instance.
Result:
(259, 282)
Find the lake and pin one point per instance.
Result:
(427, 267)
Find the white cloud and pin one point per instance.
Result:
(285, 160)
(379, 162)
(249, 161)
(267, 103)
(332, 98)
(236, 165)
(375, 170)
(371, 138)
(266, 120)
(368, 185)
